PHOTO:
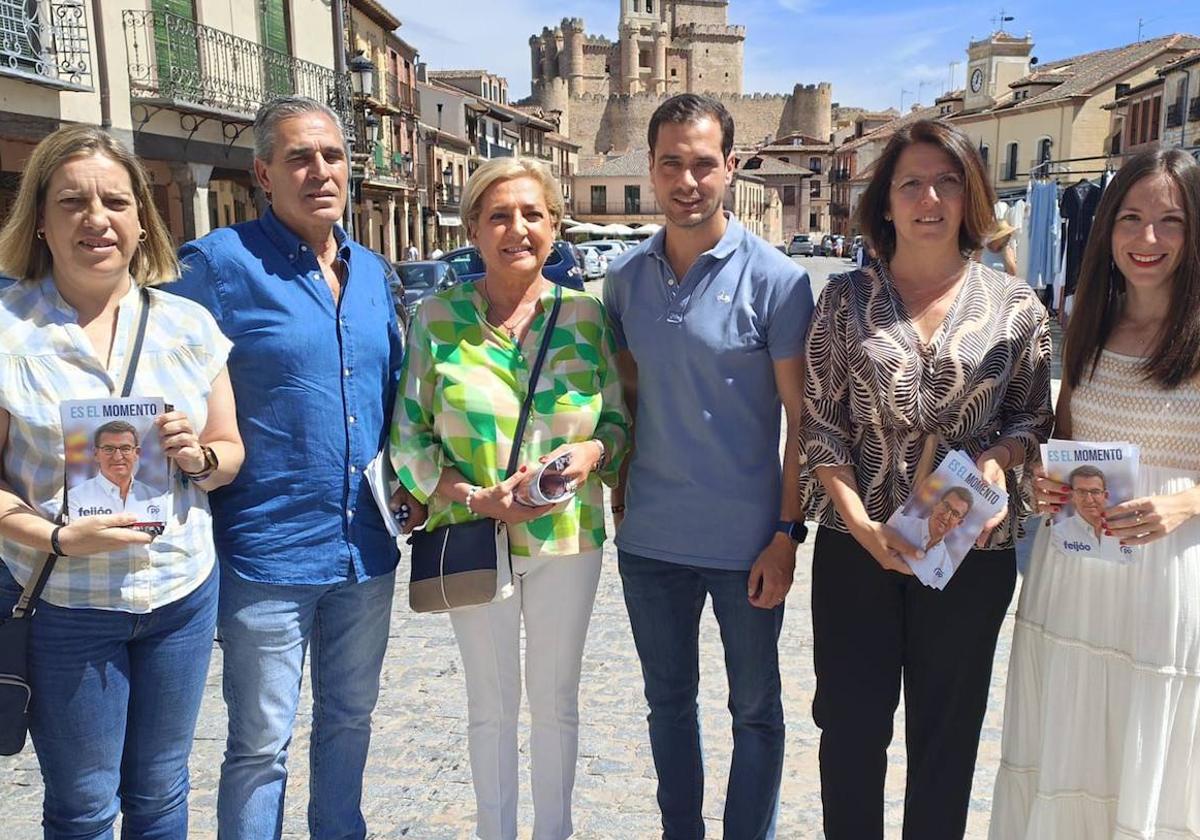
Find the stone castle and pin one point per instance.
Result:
(605, 92)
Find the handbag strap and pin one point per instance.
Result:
(24, 607)
(534, 374)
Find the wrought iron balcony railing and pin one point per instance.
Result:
(177, 63)
(46, 42)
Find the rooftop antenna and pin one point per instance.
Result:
(920, 90)
(903, 93)
(953, 68)
(1143, 23)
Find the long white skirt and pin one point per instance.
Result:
(1102, 714)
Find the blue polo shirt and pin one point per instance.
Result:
(704, 483)
(314, 383)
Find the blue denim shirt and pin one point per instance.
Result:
(314, 382)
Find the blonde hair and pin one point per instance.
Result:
(505, 169)
(24, 256)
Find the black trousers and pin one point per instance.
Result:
(872, 626)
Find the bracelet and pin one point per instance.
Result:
(603, 453)
(55, 545)
(471, 491)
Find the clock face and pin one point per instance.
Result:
(976, 80)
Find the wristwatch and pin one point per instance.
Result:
(797, 532)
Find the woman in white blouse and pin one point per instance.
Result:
(122, 634)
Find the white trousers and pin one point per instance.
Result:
(554, 595)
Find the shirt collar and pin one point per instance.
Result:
(733, 236)
(108, 487)
(59, 303)
(291, 245)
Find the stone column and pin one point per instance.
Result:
(192, 180)
(660, 59)
(389, 229)
(631, 79)
(365, 224)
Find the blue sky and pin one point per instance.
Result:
(869, 50)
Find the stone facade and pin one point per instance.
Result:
(604, 91)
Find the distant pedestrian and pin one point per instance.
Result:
(436, 254)
(307, 565)
(712, 320)
(411, 253)
(922, 352)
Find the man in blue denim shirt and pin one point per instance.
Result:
(305, 556)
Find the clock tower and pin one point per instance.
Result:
(992, 65)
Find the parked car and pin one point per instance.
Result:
(611, 248)
(419, 279)
(595, 264)
(825, 247)
(562, 266)
(800, 246)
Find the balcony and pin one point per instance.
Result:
(1194, 109)
(839, 210)
(46, 42)
(178, 64)
(401, 96)
(489, 150)
(1175, 115)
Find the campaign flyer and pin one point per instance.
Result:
(115, 461)
(1100, 475)
(944, 516)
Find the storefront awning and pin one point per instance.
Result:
(448, 220)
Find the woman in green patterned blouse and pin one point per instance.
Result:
(470, 351)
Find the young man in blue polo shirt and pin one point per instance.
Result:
(712, 322)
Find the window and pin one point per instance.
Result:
(1155, 117)
(599, 199)
(983, 155)
(814, 163)
(672, 72)
(1135, 122)
(1044, 146)
(1144, 133)
(789, 196)
(812, 221)
(1010, 163)
(644, 58)
(633, 199)
(814, 188)
(650, 6)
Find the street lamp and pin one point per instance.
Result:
(448, 179)
(362, 75)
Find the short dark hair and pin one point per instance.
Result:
(962, 493)
(1086, 471)
(115, 427)
(690, 108)
(1100, 295)
(979, 199)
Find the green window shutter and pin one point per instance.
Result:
(273, 34)
(176, 50)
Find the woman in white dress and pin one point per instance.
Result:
(1102, 719)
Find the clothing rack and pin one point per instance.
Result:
(1041, 169)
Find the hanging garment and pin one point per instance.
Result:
(1078, 207)
(1043, 224)
(1020, 239)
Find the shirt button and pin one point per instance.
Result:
(303, 247)
(353, 469)
(350, 419)
(671, 281)
(345, 371)
(316, 275)
(349, 513)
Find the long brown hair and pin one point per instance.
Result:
(1100, 294)
(979, 199)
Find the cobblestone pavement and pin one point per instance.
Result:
(418, 783)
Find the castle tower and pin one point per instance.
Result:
(572, 29)
(809, 112)
(630, 78)
(659, 75)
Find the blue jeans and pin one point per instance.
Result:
(664, 602)
(115, 700)
(266, 630)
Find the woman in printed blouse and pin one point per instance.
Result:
(465, 376)
(920, 352)
(121, 639)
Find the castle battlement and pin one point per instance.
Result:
(693, 30)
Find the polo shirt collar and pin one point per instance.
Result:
(291, 245)
(729, 242)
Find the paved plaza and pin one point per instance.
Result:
(418, 783)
